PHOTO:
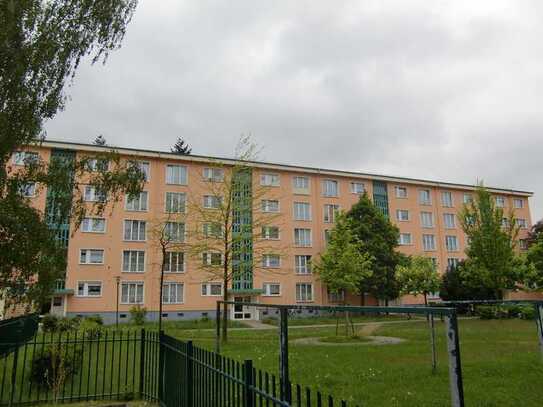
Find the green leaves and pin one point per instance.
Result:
(420, 276)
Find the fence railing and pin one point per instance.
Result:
(126, 365)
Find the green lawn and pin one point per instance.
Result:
(330, 320)
(501, 363)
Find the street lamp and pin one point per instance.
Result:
(118, 279)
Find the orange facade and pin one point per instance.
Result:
(99, 271)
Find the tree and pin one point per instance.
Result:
(533, 273)
(344, 265)
(536, 233)
(492, 235)
(379, 238)
(230, 233)
(99, 141)
(419, 277)
(180, 147)
(454, 287)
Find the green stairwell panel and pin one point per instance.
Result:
(380, 197)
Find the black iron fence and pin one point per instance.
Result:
(126, 365)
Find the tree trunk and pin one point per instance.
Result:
(161, 288)
(225, 298)
(362, 296)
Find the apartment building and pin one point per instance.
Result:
(113, 263)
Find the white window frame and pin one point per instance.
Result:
(208, 174)
(302, 189)
(264, 205)
(177, 177)
(303, 269)
(354, 190)
(401, 240)
(267, 261)
(131, 208)
(270, 179)
(523, 223)
(208, 230)
(179, 237)
(467, 198)
(19, 157)
(180, 197)
(145, 167)
(451, 238)
(426, 226)
(169, 263)
(400, 218)
(298, 244)
(88, 256)
(305, 211)
(266, 235)
(207, 199)
(330, 213)
(397, 189)
(427, 238)
(90, 194)
(207, 257)
(311, 292)
(136, 284)
(169, 284)
(336, 297)
(207, 286)
(90, 218)
(87, 283)
(523, 244)
(132, 232)
(449, 225)
(28, 190)
(325, 191)
(424, 201)
(516, 203)
(447, 202)
(92, 164)
(500, 201)
(267, 291)
(138, 259)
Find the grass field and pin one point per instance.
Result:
(501, 363)
(330, 320)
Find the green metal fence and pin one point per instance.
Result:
(126, 365)
(14, 330)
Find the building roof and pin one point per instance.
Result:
(273, 166)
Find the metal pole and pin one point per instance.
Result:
(218, 328)
(539, 321)
(117, 309)
(455, 367)
(433, 343)
(283, 356)
(248, 384)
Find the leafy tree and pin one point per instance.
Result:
(344, 265)
(454, 287)
(419, 277)
(180, 147)
(536, 233)
(492, 235)
(533, 276)
(379, 238)
(99, 141)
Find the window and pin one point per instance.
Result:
(405, 239)
(401, 192)
(338, 296)
(451, 243)
(91, 256)
(269, 180)
(402, 215)
(300, 184)
(213, 174)
(137, 203)
(271, 289)
(270, 205)
(500, 201)
(327, 233)
(518, 203)
(446, 199)
(448, 220)
(23, 157)
(212, 259)
(304, 292)
(522, 223)
(172, 293)
(132, 293)
(271, 260)
(330, 187)
(211, 289)
(133, 261)
(93, 225)
(213, 229)
(176, 202)
(134, 230)
(505, 222)
(28, 190)
(468, 198)
(270, 232)
(523, 244)
(357, 188)
(302, 211)
(212, 201)
(302, 237)
(97, 164)
(91, 194)
(302, 264)
(428, 243)
(175, 231)
(425, 197)
(330, 213)
(452, 262)
(89, 288)
(427, 219)
(175, 262)
(176, 174)
(143, 167)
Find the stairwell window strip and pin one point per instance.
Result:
(137, 203)
(172, 293)
(176, 174)
(93, 225)
(135, 230)
(304, 292)
(91, 256)
(132, 292)
(133, 261)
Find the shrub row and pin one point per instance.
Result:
(505, 311)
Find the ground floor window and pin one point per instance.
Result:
(211, 289)
(338, 296)
(172, 293)
(132, 293)
(304, 292)
(271, 289)
(89, 288)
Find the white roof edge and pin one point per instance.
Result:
(274, 166)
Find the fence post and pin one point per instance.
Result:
(189, 363)
(538, 306)
(161, 374)
(455, 367)
(142, 361)
(433, 343)
(283, 356)
(14, 374)
(218, 328)
(248, 400)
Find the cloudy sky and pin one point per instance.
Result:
(446, 90)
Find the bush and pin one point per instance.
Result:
(49, 323)
(91, 328)
(67, 324)
(95, 318)
(527, 312)
(137, 314)
(486, 311)
(56, 365)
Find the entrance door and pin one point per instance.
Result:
(242, 311)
